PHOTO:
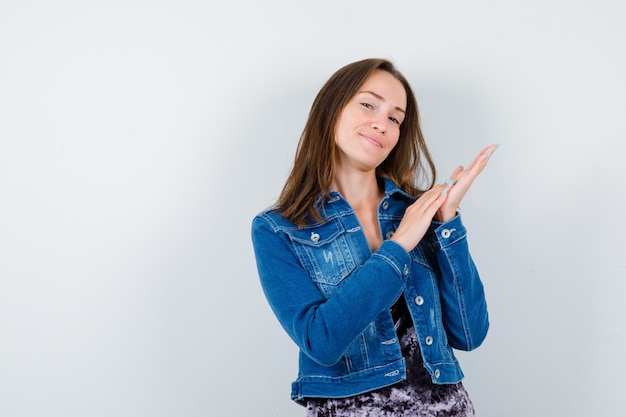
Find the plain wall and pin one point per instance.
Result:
(139, 138)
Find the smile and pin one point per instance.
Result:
(372, 140)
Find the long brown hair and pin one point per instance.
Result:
(314, 163)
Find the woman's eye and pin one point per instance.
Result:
(367, 105)
(393, 119)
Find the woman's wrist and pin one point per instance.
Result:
(445, 216)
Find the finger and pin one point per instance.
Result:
(433, 194)
(430, 198)
(456, 172)
(480, 162)
(491, 149)
(486, 153)
(482, 155)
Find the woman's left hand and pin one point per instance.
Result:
(460, 182)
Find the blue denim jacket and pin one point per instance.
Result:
(333, 296)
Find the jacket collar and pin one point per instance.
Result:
(391, 189)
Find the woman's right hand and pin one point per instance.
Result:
(418, 217)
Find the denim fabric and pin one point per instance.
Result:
(332, 295)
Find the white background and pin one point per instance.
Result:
(139, 138)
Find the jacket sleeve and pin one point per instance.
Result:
(464, 307)
(324, 328)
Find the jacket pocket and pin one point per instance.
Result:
(324, 253)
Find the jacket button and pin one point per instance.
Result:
(437, 373)
(419, 300)
(315, 237)
(445, 233)
(429, 340)
(385, 205)
(406, 269)
(389, 234)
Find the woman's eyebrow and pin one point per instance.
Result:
(381, 98)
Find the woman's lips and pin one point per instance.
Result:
(372, 140)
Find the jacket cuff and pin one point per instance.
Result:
(449, 232)
(396, 256)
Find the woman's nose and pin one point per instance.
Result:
(379, 123)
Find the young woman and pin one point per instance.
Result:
(369, 274)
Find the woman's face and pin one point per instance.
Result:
(368, 127)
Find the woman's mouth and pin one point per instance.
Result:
(372, 140)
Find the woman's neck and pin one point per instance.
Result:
(358, 188)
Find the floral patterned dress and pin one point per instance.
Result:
(416, 396)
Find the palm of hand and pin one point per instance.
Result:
(460, 181)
